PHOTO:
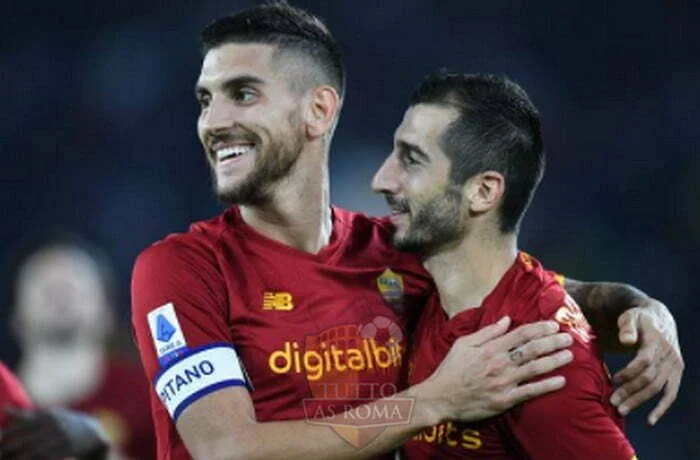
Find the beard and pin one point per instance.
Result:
(271, 166)
(432, 225)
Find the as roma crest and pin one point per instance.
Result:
(390, 286)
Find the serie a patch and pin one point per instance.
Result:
(201, 371)
(167, 334)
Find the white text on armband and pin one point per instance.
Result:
(195, 375)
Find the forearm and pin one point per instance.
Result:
(304, 439)
(602, 303)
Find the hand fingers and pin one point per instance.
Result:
(534, 389)
(524, 334)
(643, 395)
(541, 366)
(540, 347)
(627, 325)
(488, 333)
(644, 385)
(670, 393)
(640, 363)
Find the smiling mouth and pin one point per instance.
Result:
(229, 153)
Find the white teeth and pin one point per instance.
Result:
(232, 152)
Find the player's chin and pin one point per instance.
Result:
(404, 243)
(229, 192)
(230, 182)
(401, 235)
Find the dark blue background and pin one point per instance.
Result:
(97, 131)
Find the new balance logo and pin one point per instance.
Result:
(278, 301)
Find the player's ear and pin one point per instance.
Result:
(323, 108)
(485, 191)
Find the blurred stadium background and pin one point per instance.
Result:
(97, 133)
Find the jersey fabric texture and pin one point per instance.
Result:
(306, 328)
(577, 422)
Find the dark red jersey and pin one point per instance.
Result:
(121, 403)
(222, 301)
(12, 394)
(577, 422)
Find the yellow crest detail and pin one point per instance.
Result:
(390, 285)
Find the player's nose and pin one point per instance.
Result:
(219, 116)
(386, 178)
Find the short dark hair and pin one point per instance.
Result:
(498, 129)
(291, 29)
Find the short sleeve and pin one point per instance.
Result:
(186, 278)
(573, 423)
(180, 321)
(578, 421)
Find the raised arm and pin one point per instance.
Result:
(625, 318)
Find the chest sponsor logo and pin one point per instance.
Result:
(571, 315)
(451, 434)
(390, 285)
(281, 301)
(328, 358)
(345, 367)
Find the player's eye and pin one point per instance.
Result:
(409, 158)
(245, 95)
(204, 100)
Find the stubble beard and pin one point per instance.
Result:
(271, 166)
(433, 225)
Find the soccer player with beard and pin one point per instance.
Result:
(468, 156)
(253, 320)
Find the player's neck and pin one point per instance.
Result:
(466, 273)
(299, 214)
(57, 375)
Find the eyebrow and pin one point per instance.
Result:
(410, 146)
(232, 84)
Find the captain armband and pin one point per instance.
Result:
(199, 372)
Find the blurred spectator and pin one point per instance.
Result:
(62, 293)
